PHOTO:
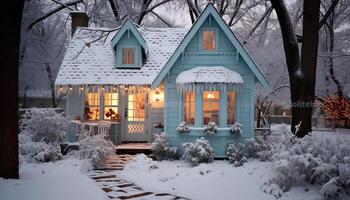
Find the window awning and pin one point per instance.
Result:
(209, 78)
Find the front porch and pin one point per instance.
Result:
(133, 113)
(133, 148)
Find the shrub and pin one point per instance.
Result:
(37, 151)
(44, 125)
(198, 152)
(183, 128)
(211, 128)
(313, 159)
(236, 129)
(41, 131)
(160, 148)
(259, 149)
(95, 148)
(236, 154)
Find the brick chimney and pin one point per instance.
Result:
(79, 19)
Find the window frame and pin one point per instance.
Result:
(111, 105)
(119, 56)
(86, 99)
(194, 107)
(216, 39)
(211, 110)
(228, 113)
(101, 106)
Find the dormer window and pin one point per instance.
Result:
(208, 40)
(128, 56)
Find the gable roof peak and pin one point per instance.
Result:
(211, 10)
(129, 25)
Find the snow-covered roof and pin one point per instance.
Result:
(95, 63)
(208, 78)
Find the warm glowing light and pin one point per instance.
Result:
(210, 95)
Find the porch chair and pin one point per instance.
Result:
(103, 128)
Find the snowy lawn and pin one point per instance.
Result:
(217, 180)
(55, 181)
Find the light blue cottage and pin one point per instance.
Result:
(143, 80)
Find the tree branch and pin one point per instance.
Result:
(266, 14)
(161, 19)
(328, 13)
(53, 11)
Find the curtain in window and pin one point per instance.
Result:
(208, 40)
(129, 56)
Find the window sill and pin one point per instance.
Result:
(199, 131)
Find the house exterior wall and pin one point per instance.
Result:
(193, 57)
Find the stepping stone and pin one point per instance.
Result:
(107, 190)
(125, 185)
(103, 177)
(135, 195)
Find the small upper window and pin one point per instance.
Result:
(209, 40)
(128, 56)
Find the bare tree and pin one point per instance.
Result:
(302, 71)
(10, 18)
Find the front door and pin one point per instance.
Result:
(135, 118)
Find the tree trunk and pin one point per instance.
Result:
(330, 26)
(302, 72)
(303, 93)
(52, 85)
(10, 30)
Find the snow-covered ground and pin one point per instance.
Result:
(217, 180)
(60, 180)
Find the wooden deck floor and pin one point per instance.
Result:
(133, 148)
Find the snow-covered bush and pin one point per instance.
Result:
(160, 148)
(44, 124)
(95, 148)
(198, 152)
(211, 128)
(236, 154)
(41, 131)
(236, 129)
(259, 149)
(37, 151)
(317, 159)
(183, 127)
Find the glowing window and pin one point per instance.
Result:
(211, 106)
(128, 56)
(136, 107)
(208, 40)
(231, 101)
(92, 106)
(189, 108)
(111, 103)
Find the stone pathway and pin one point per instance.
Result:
(106, 176)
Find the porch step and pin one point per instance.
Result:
(133, 148)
